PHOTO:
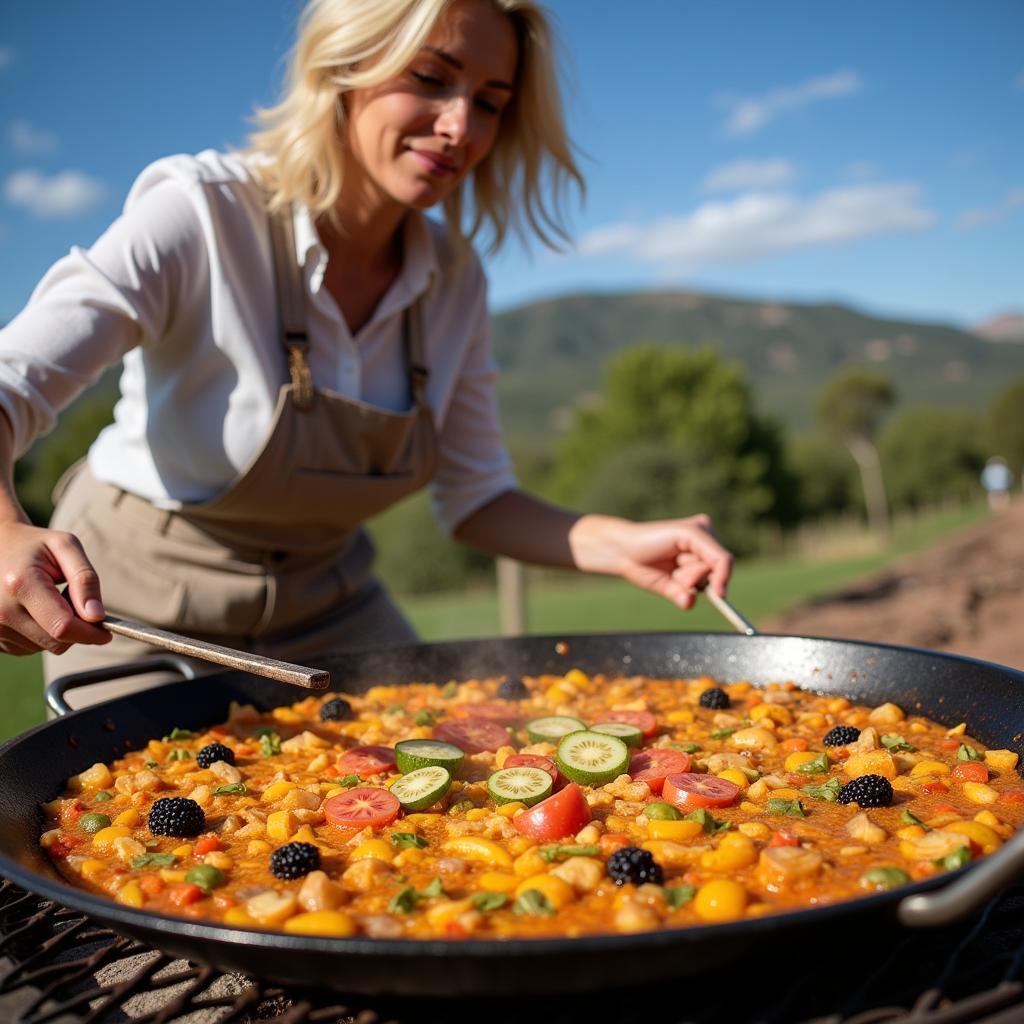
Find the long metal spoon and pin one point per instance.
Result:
(282, 671)
(957, 899)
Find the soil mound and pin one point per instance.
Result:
(965, 595)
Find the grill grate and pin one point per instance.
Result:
(58, 965)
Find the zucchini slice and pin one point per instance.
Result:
(421, 788)
(524, 783)
(629, 734)
(592, 758)
(413, 754)
(552, 728)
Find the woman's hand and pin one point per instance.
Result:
(670, 557)
(34, 615)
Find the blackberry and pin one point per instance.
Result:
(716, 698)
(293, 860)
(867, 791)
(513, 689)
(840, 735)
(631, 864)
(176, 816)
(336, 710)
(214, 752)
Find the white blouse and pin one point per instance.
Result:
(181, 287)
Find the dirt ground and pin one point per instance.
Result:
(965, 595)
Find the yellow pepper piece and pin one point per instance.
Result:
(735, 851)
(735, 775)
(280, 826)
(476, 848)
(105, 837)
(557, 890)
(681, 717)
(276, 790)
(929, 768)
(497, 881)
(373, 848)
(1001, 760)
(238, 917)
(720, 900)
(130, 895)
(477, 814)
(91, 868)
(773, 712)
(185, 850)
(129, 818)
(173, 875)
(797, 758)
(978, 833)
(674, 829)
(979, 793)
(287, 716)
(511, 809)
(578, 678)
(871, 762)
(335, 923)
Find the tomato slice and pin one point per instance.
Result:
(689, 791)
(970, 771)
(931, 788)
(1011, 796)
(643, 720)
(563, 814)
(655, 765)
(493, 710)
(781, 838)
(473, 735)
(366, 761)
(536, 761)
(362, 806)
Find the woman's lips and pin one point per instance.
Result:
(435, 165)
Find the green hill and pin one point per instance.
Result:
(552, 352)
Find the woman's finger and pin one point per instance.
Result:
(50, 619)
(82, 579)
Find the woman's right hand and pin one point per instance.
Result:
(34, 614)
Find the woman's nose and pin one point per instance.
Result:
(453, 120)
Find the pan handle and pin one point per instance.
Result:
(966, 894)
(739, 622)
(165, 663)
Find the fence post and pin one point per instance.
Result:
(511, 597)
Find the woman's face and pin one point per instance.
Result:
(413, 139)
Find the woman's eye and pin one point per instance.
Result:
(487, 106)
(431, 80)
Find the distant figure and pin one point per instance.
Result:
(997, 480)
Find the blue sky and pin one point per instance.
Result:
(870, 153)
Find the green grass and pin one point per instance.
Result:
(565, 603)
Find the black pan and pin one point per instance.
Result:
(950, 689)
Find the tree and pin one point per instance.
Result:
(931, 454)
(1005, 427)
(826, 478)
(676, 433)
(851, 407)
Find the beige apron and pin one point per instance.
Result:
(278, 564)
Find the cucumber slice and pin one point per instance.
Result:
(413, 754)
(421, 788)
(629, 734)
(592, 758)
(552, 728)
(523, 783)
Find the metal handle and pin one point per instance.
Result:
(282, 671)
(55, 691)
(741, 624)
(968, 893)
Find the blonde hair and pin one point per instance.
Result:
(353, 44)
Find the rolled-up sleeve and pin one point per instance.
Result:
(474, 466)
(93, 306)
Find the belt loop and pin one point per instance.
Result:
(302, 379)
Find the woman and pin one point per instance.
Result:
(302, 348)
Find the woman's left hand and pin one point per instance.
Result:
(671, 557)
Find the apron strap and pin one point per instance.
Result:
(291, 306)
(412, 343)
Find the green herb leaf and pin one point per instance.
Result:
(819, 766)
(396, 709)
(487, 901)
(965, 752)
(206, 876)
(179, 734)
(152, 860)
(461, 806)
(102, 796)
(348, 781)
(793, 808)
(704, 818)
(404, 901)
(270, 744)
(910, 818)
(404, 840)
(679, 895)
(894, 742)
(550, 853)
(533, 903)
(688, 748)
(449, 690)
(828, 791)
(425, 717)
(433, 891)
(721, 734)
(883, 878)
(232, 789)
(152, 764)
(179, 754)
(957, 859)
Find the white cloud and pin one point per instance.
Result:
(747, 114)
(26, 139)
(6, 56)
(748, 174)
(757, 225)
(983, 216)
(67, 194)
